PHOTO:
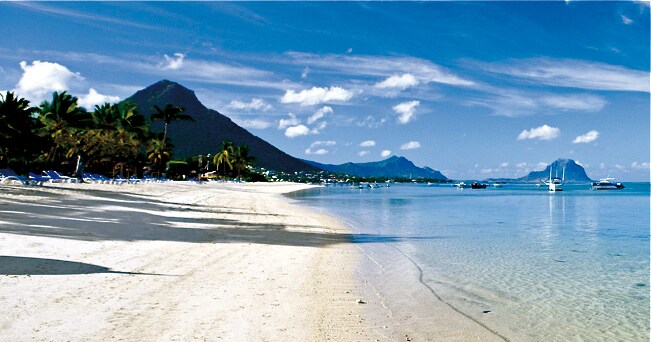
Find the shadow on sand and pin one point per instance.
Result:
(111, 216)
(13, 265)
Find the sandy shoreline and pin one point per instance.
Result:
(184, 261)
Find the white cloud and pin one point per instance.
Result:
(291, 121)
(541, 166)
(504, 164)
(40, 79)
(380, 66)
(93, 98)
(385, 153)
(401, 82)
(511, 103)
(296, 131)
(323, 143)
(640, 166)
(254, 104)
(406, 111)
(412, 145)
(212, 72)
(363, 153)
(305, 72)
(521, 165)
(371, 122)
(320, 151)
(626, 20)
(586, 138)
(543, 132)
(316, 95)
(253, 123)
(575, 74)
(173, 63)
(583, 102)
(319, 127)
(319, 114)
(367, 143)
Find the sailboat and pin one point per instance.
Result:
(555, 184)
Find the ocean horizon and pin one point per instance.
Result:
(524, 263)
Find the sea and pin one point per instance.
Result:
(525, 263)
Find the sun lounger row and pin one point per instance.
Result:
(50, 176)
(97, 178)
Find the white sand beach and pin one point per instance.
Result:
(183, 261)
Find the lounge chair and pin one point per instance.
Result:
(119, 180)
(9, 175)
(57, 177)
(135, 180)
(37, 179)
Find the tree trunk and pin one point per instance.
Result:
(79, 170)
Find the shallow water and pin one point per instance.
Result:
(528, 264)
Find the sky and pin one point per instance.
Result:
(472, 89)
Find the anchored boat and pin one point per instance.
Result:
(607, 184)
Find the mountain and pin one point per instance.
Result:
(210, 128)
(392, 167)
(574, 173)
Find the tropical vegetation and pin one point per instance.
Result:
(110, 139)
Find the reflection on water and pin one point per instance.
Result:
(571, 265)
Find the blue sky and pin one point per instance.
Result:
(473, 89)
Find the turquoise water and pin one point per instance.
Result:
(528, 264)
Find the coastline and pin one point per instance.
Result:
(179, 261)
(173, 262)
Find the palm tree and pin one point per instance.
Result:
(120, 132)
(63, 120)
(241, 159)
(16, 127)
(168, 114)
(225, 155)
(159, 151)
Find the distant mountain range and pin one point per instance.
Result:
(391, 167)
(574, 173)
(210, 128)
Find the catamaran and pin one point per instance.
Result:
(555, 184)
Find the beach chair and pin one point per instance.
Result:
(102, 179)
(56, 177)
(119, 180)
(134, 180)
(37, 179)
(9, 175)
(88, 177)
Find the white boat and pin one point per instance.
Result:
(461, 185)
(555, 184)
(499, 184)
(607, 184)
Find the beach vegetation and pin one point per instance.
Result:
(65, 123)
(176, 169)
(159, 150)
(224, 157)
(169, 114)
(110, 139)
(241, 159)
(232, 160)
(18, 142)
